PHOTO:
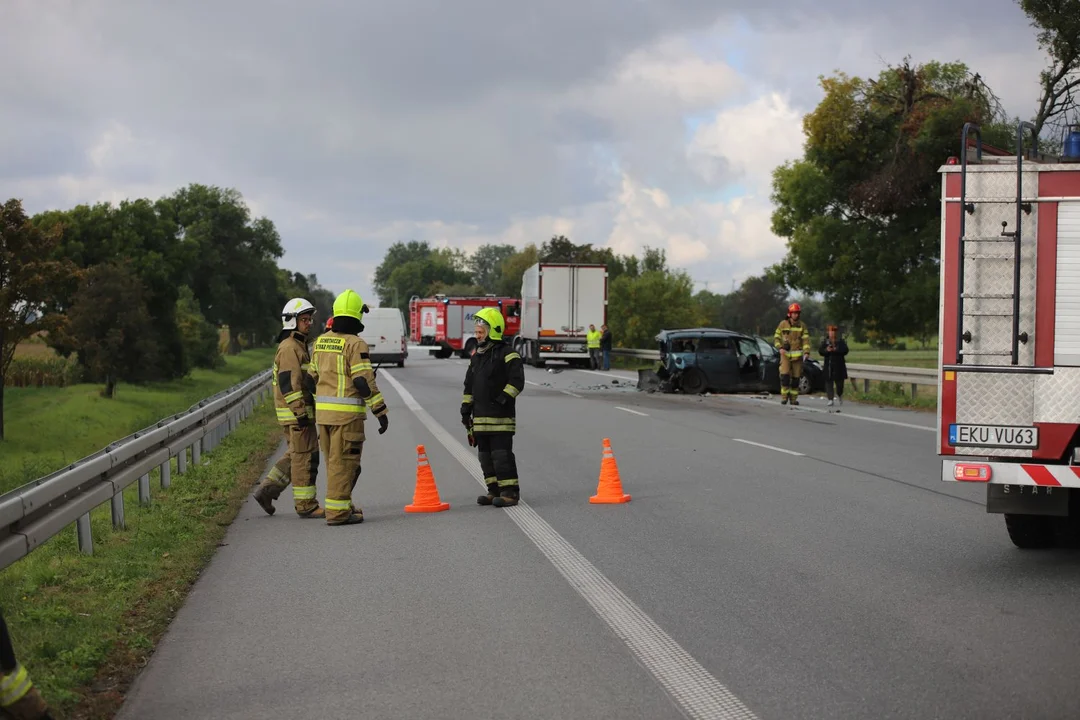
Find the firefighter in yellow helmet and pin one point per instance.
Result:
(294, 401)
(19, 699)
(494, 379)
(792, 339)
(345, 390)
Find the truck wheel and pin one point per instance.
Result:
(1030, 532)
(692, 382)
(443, 353)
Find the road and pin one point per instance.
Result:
(774, 563)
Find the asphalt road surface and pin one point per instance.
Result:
(774, 563)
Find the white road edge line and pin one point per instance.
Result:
(617, 407)
(571, 394)
(769, 447)
(694, 690)
(842, 415)
(530, 382)
(608, 374)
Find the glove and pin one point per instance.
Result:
(472, 439)
(467, 422)
(806, 356)
(303, 421)
(786, 346)
(466, 410)
(384, 422)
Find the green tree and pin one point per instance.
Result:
(1058, 25)
(513, 268)
(861, 209)
(29, 281)
(485, 264)
(640, 307)
(109, 322)
(199, 337)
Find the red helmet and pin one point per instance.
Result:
(793, 308)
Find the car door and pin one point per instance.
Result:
(770, 366)
(751, 375)
(717, 358)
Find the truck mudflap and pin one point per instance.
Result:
(1010, 473)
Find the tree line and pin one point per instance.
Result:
(145, 290)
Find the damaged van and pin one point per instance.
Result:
(698, 360)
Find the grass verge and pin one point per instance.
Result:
(85, 625)
(50, 427)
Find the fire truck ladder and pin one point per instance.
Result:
(1006, 236)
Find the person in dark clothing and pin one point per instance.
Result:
(605, 345)
(19, 699)
(496, 376)
(834, 348)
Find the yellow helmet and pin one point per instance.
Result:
(349, 304)
(493, 319)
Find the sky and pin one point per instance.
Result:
(356, 124)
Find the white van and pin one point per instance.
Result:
(384, 332)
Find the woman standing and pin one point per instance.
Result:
(834, 348)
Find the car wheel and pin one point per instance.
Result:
(692, 382)
(804, 385)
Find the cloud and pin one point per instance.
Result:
(354, 125)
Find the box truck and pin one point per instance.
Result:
(558, 303)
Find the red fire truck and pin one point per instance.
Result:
(445, 323)
(1009, 388)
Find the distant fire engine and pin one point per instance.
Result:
(446, 322)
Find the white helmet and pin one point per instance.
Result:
(294, 309)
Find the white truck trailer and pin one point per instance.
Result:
(558, 303)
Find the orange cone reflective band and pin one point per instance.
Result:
(426, 497)
(609, 490)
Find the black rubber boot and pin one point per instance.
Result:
(492, 493)
(508, 496)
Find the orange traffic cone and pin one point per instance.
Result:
(426, 497)
(610, 488)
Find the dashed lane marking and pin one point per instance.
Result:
(769, 447)
(695, 691)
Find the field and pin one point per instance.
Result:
(47, 428)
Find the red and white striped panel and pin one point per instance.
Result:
(1010, 473)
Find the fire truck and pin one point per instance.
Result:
(445, 323)
(1009, 349)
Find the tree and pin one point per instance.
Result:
(486, 265)
(640, 307)
(1058, 23)
(861, 209)
(109, 322)
(513, 269)
(29, 280)
(199, 338)
(415, 268)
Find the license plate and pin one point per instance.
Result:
(993, 436)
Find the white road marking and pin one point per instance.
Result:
(769, 447)
(843, 414)
(571, 394)
(608, 374)
(530, 382)
(631, 411)
(697, 693)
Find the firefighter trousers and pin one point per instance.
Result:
(343, 446)
(299, 465)
(790, 373)
(19, 698)
(497, 461)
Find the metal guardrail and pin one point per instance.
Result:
(882, 373)
(32, 514)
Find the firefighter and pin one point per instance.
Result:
(792, 339)
(19, 699)
(294, 402)
(493, 381)
(345, 389)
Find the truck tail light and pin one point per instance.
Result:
(972, 472)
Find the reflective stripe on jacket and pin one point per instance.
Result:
(292, 381)
(337, 361)
(496, 376)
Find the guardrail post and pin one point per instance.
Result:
(144, 489)
(914, 390)
(117, 504)
(196, 452)
(166, 473)
(866, 386)
(86, 537)
(181, 461)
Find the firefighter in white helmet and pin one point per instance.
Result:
(294, 402)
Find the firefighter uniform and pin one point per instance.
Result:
(294, 403)
(19, 699)
(345, 389)
(792, 339)
(493, 381)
